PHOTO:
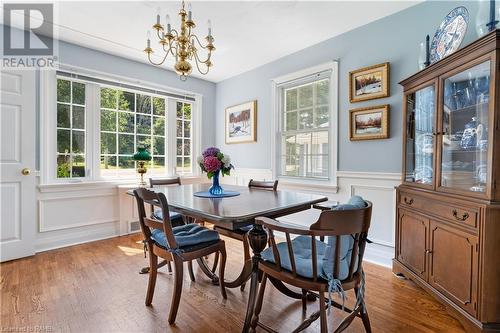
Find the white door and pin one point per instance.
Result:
(17, 163)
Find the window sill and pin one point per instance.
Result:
(103, 184)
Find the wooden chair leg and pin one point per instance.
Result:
(222, 268)
(176, 296)
(246, 254)
(258, 304)
(364, 314)
(304, 300)
(216, 261)
(322, 313)
(153, 270)
(191, 272)
(169, 265)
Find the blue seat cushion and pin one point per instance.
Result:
(158, 214)
(186, 235)
(302, 251)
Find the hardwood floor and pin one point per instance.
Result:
(95, 287)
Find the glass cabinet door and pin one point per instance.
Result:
(464, 162)
(420, 122)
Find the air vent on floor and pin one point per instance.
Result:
(135, 226)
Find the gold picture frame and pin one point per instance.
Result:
(370, 123)
(241, 123)
(369, 83)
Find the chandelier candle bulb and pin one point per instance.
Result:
(209, 23)
(189, 12)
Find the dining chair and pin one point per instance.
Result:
(179, 244)
(317, 267)
(241, 233)
(175, 218)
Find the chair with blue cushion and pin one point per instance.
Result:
(175, 218)
(179, 244)
(241, 233)
(317, 267)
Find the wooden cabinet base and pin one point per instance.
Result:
(469, 323)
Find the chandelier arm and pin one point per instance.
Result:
(198, 40)
(209, 55)
(172, 31)
(158, 34)
(155, 63)
(196, 60)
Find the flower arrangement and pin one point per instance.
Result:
(213, 162)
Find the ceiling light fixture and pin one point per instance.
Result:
(182, 44)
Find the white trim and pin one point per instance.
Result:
(333, 130)
(122, 79)
(330, 65)
(372, 175)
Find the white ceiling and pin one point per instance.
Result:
(247, 33)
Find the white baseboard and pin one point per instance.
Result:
(74, 236)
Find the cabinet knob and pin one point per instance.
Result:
(25, 172)
(408, 201)
(464, 216)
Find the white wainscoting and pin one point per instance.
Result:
(70, 214)
(80, 213)
(74, 214)
(377, 187)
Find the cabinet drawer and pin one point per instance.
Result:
(452, 212)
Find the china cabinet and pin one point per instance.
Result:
(448, 205)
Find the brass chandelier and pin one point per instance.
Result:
(183, 44)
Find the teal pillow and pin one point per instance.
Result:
(346, 244)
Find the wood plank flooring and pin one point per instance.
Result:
(95, 287)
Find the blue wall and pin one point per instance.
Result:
(393, 39)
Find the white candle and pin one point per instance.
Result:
(189, 12)
(148, 35)
(158, 12)
(209, 23)
(167, 21)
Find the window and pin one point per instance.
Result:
(70, 129)
(98, 125)
(183, 137)
(130, 120)
(306, 138)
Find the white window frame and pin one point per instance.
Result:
(48, 124)
(333, 133)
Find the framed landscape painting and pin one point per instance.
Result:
(369, 83)
(369, 123)
(241, 123)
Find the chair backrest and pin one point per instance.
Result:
(144, 196)
(347, 231)
(175, 181)
(263, 185)
(164, 181)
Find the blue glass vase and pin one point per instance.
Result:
(215, 189)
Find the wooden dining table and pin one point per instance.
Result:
(234, 213)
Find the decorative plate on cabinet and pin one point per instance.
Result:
(450, 34)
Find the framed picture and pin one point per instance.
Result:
(369, 83)
(241, 123)
(369, 123)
